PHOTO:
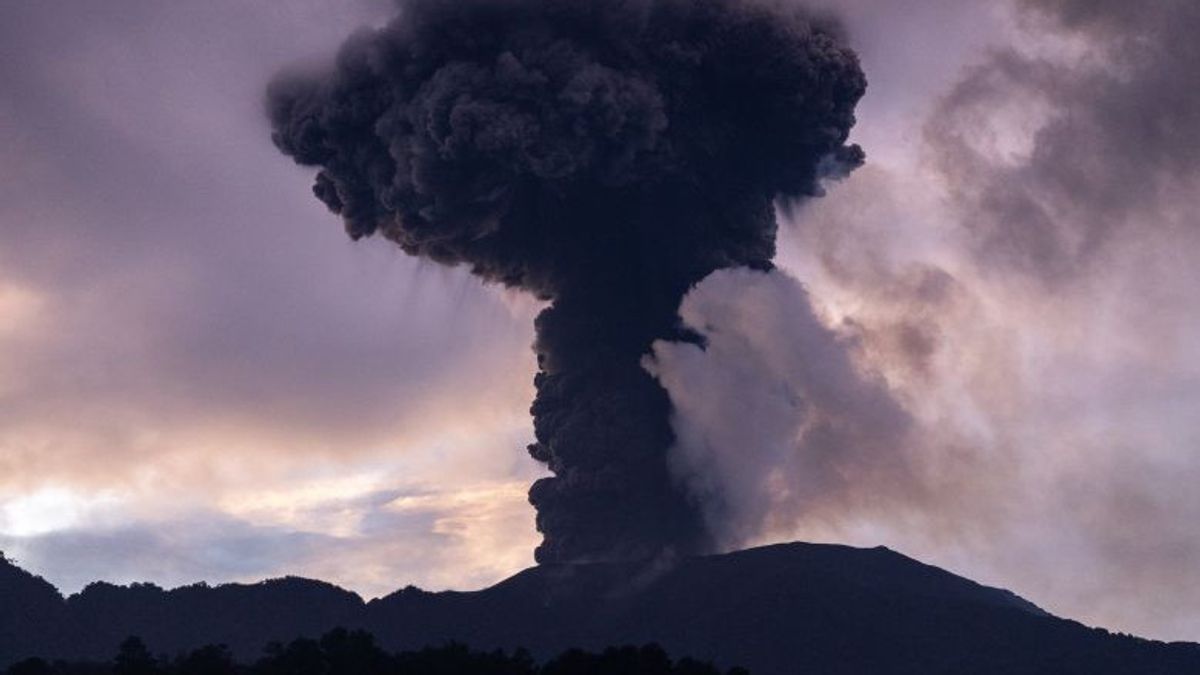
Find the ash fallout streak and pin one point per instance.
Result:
(604, 155)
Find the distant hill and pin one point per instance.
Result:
(32, 613)
(778, 609)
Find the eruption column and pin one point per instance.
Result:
(604, 155)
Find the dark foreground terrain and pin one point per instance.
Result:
(343, 652)
(791, 608)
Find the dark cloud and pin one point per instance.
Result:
(604, 156)
(1106, 125)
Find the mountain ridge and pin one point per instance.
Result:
(773, 609)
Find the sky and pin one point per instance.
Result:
(203, 378)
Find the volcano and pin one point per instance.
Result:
(778, 609)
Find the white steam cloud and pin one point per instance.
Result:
(773, 416)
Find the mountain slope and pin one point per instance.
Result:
(778, 609)
(31, 613)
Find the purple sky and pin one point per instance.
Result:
(201, 377)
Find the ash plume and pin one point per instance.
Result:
(604, 155)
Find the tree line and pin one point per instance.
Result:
(355, 652)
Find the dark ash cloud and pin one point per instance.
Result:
(1115, 137)
(605, 156)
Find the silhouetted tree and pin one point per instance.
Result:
(208, 660)
(133, 658)
(345, 652)
(458, 658)
(353, 652)
(299, 657)
(649, 659)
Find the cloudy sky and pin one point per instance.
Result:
(201, 377)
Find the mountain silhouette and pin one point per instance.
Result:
(778, 609)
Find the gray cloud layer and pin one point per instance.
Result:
(1020, 308)
(145, 219)
(1051, 372)
(1114, 148)
(181, 331)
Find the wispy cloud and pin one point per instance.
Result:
(199, 379)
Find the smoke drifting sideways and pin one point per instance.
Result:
(777, 422)
(604, 155)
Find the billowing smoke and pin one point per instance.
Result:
(775, 420)
(604, 155)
